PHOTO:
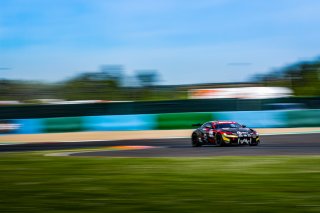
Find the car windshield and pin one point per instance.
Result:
(228, 125)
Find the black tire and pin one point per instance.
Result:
(219, 140)
(254, 143)
(195, 141)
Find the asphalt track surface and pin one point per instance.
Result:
(293, 144)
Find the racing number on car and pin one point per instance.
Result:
(211, 133)
(205, 134)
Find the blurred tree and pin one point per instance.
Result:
(112, 72)
(91, 86)
(302, 77)
(25, 90)
(147, 78)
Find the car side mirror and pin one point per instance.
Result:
(244, 126)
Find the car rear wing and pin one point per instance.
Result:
(196, 125)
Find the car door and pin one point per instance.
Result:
(205, 130)
(212, 133)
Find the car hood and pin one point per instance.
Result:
(235, 130)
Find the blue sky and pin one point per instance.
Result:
(187, 41)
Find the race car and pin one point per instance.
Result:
(222, 133)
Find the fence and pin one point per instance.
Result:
(157, 107)
(162, 121)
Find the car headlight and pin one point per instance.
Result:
(254, 133)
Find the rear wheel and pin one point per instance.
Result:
(195, 140)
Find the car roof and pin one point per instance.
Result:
(223, 122)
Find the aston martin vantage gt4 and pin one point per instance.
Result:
(222, 133)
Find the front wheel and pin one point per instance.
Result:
(254, 142)
(195, 141)
(219, 140)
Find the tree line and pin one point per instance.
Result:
(302, 77)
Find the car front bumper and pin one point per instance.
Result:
(236, 139)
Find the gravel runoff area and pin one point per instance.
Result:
(128, 135)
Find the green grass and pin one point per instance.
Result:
(34, 183)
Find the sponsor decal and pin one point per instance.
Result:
(7, 126)
(211, 133)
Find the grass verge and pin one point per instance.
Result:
(34, 183)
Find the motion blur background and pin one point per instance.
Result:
(65, 64)
(105, 76)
